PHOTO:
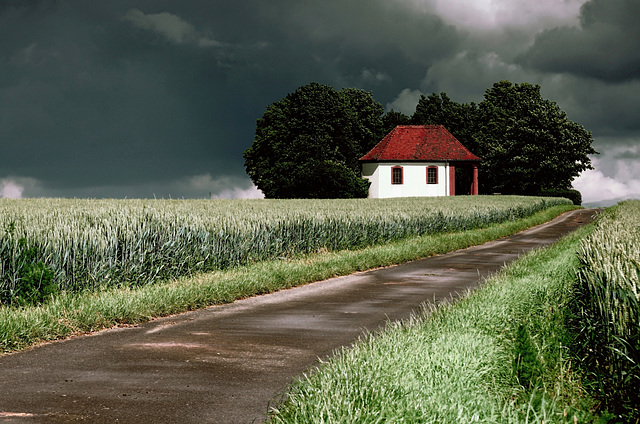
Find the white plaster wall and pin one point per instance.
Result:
(370, 172)
(414, 183)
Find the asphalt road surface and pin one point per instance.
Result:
(225, 364)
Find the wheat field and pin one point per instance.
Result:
(608, 307)
(79, 244)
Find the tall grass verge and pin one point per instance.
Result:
(74, 313)
(498, 355)
(608, 309)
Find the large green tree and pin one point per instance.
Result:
(527, 143)
(307, 145)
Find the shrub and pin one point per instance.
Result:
(33, 281)
(574, 195)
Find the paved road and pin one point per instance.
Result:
(224, 364)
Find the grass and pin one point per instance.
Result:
(499, 355)
(67, 314)
(607, 310)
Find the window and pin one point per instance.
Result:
(396, 175)
(432, 175)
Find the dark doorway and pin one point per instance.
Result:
(464, 177)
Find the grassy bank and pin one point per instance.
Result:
(499, 355)
(73, 313)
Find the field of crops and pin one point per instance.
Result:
(609, 307)
(63, 244)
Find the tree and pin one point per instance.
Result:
(458, 118)
(527, 143)
(307, 145)
(392, 119)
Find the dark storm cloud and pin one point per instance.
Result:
(608, 109)
(630, 153)
(87, 100)
(605, 46)
(156, 97)
(128, 93)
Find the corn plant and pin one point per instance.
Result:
(90, 244)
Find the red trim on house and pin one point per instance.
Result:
(436, 174)
(393, 175)
(452, 180)
(474, 183)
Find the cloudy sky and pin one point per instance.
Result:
(144, 98)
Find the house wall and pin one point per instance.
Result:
(414, 179)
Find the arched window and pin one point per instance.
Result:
(396, 175)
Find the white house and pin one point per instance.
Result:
(417, 160)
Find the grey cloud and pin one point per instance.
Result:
(629, 155)
(406, 101)
(371, 27)
(605, 46)
(201, 186)
(173, 27)
(628, 150)
(608, 109)
(466, 76)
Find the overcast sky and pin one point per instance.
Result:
(144, 98)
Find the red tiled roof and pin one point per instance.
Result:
(419, 143)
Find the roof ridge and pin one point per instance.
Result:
(419, 125)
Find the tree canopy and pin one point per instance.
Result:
(527, 143)
(457, 118)
(307, 145)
